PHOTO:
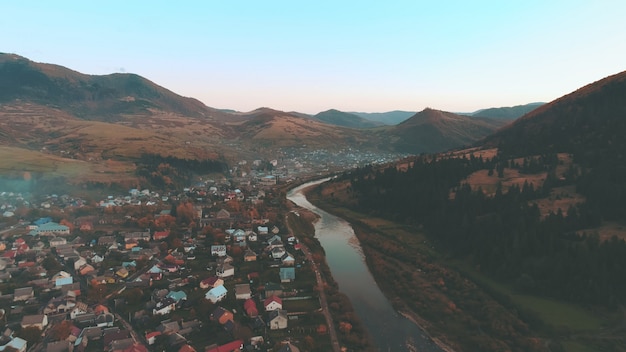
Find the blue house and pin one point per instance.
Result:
(42, 221)
(287, 274)
(177, 296)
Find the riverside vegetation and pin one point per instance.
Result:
(488, 271)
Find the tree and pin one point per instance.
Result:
(345, 327)
(185, 213)
(68, 224)
(60, 331)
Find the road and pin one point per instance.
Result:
(323, 302)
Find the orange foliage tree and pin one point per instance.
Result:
(68, 224)
(185, 213)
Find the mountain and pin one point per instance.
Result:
(431, 131)
(507, 113)
(589, 122)
(102, 98)
(538, 207)
(268, 128)
(387, 118)
(101, 129)
(345, 119)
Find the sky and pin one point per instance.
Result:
(311, 56)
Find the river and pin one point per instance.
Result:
(389, 330)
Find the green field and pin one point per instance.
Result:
(554, 313)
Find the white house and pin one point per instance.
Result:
(57, 241)
(218, 250)
(278, 319)
(273, 303)
(216, 294)
(164, 306)
(278, 252)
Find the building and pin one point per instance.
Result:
(50, 229)
(273, 303)
(242, 291)
(23, 294)
(277, 319)
(287, 274)
(37, 320)
(225, 270)
(216, 294)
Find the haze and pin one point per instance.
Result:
(405, 55)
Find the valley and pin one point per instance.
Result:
(497, 230)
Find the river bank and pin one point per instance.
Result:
(390, 330)
(301, 222)
(417, 279)
(313, 195)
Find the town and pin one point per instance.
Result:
(212, 267)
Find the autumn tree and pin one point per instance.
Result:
(185, 213)
(165, 221)
(60, 331)
(68, 224)
(345, 327)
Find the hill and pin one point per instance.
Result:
(507, 113)
(340, 118)
(588, 122)
(268, 128)
(431, 131)
(103, 98)
(387, 118)
(532, 214)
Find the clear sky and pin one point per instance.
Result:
(310, 56)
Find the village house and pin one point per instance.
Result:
(218, 250)
(242, 291)
(23, 294)
(287, 274)
(277, 319)
(106, 241)
(288, 259)
(272, 289)
(168, 327)
(278, 252)
(164, 307)
(177, 296)
(152, 336)
(225, 270)
(249, 256)
(137, 236)
(231, 346)
(222, 316)
(62, 278)
(216, 294)
(250, 307)
(252, 236)
(50, 229)
(160, 235)
(273, 303)
(57, 241)
(211, 282)
(37, 320)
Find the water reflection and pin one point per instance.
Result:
(389, 330)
